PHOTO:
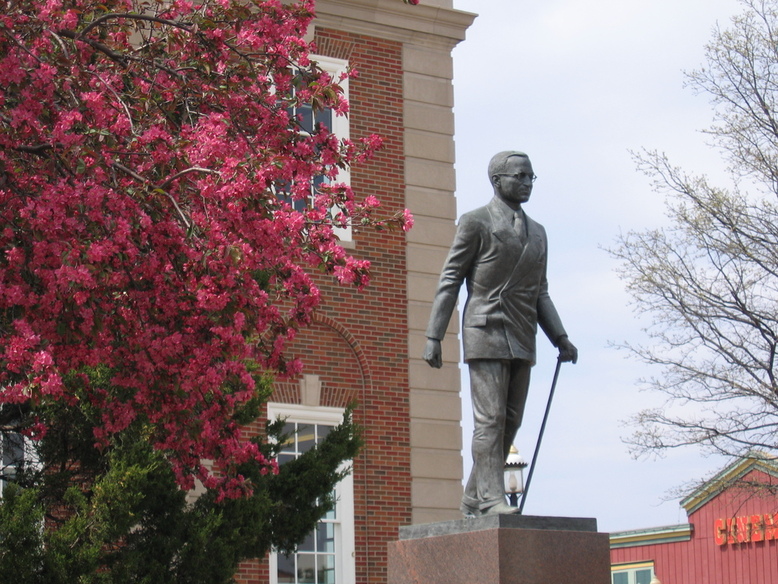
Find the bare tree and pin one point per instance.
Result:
(709, 281)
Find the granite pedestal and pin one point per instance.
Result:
(501, 549)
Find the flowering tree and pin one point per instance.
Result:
(158, 226)
(150, 161)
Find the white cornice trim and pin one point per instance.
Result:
(652, 536)
(394, 20)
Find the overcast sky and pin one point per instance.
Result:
(578, 84)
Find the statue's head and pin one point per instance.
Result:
(511, 175)
(499, 160)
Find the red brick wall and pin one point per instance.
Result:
(358, 346)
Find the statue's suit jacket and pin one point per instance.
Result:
(506, 286)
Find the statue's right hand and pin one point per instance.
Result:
(433, 354)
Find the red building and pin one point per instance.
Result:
(366, 347)
(731, 536)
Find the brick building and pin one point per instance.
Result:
(731, 536)
(367, 346)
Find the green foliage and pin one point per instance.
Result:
(20, 535)
(123, 519)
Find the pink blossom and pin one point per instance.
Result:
(407, 220)
(147, 236)
(41, 360)
(371, 202)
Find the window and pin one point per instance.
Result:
(12, 445)
(640, 573)
(326, 555)
(339, 125)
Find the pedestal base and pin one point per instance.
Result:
(501, 549)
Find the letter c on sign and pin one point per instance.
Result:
(720, 535)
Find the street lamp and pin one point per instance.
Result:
(514, 476)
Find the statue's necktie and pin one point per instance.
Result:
(518, 226)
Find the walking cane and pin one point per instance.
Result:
(540, 436)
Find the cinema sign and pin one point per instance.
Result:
(746, 529)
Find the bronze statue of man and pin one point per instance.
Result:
(500, 254)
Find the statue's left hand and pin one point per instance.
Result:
(567, 350)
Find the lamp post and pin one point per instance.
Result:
(514, 476)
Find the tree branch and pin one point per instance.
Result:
(133, 16)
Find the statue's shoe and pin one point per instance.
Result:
(469, 511)
(500, 509)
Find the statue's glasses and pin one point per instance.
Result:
(521, 176)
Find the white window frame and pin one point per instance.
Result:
(336, 67)
(631, 570)
(27, 461)
(345, 566)
(340, 126)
